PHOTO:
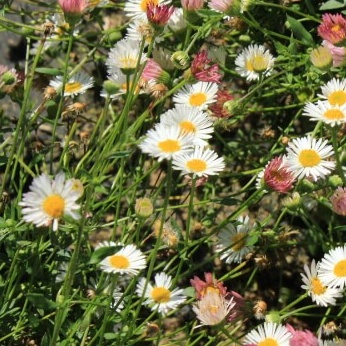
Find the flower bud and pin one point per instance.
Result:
(144, 207)
(180, 59)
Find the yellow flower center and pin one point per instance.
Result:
(119, 262)
(258, 63)
(337, 98)
(334, 114)
(128, 62)
(197, 99)
(187, 126)
(336, 28)
(161, 295)
(54, 206)
(239, 241)
(169, 146)
(213, 309)
(144, 4)
(196, 165)
(268, 342)
(309, 158)
(317, 287)
(72, 87)
(340, 268)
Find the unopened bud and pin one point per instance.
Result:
(180, 59)
(144, 207)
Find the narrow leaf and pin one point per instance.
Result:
(300, 32)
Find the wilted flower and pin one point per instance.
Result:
(213, 308)
(167, 233)
(339, 201)
(276, 176)
(203, 69)
(218, 108)
(159, 14)
(209, 285)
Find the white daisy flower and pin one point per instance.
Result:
(320, 294)
(75, 85)
(324, 111)
(161, 296)
(166, 142)
(124, 55)
(334, 92)
(138, 8)
(332, 269)
(128, 260)
(306, 157)
(253, 62)
(198, 95)
(138, 29)
(269, 334)
(200, 162)
(108, 243)
(190, 120)
(232, 243)
(49, 200)
(119, 80)
(177, 21)
(213, 308)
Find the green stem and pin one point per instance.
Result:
(295, 302)
(334, 132)
(61, 101)
(21, 126)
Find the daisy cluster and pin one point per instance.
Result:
(156, 65)
(308, 157)
(181, 137)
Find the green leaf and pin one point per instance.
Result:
(110, 336)
(48, 70)
(40, 301)
(190, 292)
(300, 32)
(332, 5)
